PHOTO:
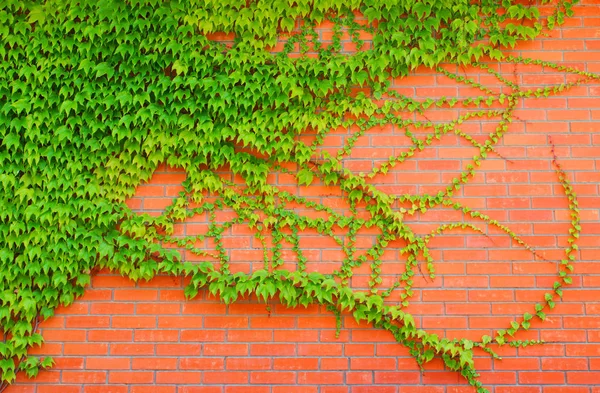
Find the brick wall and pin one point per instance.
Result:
(127, 337)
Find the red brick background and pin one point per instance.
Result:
(127, 337)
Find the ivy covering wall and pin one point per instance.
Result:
(95, 95)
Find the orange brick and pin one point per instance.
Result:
(169, 377)
(85, 349)
(202, 364)
(154, 363)
(84, 377)
(272, 377)
(105, 389)
(107, 363)
(87, 322)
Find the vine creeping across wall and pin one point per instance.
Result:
(96, 94)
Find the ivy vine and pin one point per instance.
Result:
(94, 95)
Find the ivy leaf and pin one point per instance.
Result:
(21, 105)
(37, 14)
(104, 69)
(47, 362)
(287, 24)
(305, 177)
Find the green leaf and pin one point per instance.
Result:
(305, 177)
(102, 69)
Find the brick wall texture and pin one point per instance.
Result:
(126, 337)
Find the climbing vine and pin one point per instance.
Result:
(94, 95)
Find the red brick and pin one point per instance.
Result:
(133, 322)
(295, 389)
(373, 389)
(156, 309)
(295, 335)
(334, 364)
(106, 389)
(372, 363)
(64, 335)
(320, 349)
(178, 349)
(517, 364)
(112, 308)
(111, 363)
(565, 389)
(42, 377)
(84, 377)
(87, 322)
(179, 322)
(273, 377)
(110, 335)
(397, 378)
(135, 294)
(202, 363)
(154, 363)
(247, 335)
(253, 363)
(320, 378)
(334, 389)
(58, 388)
(67, 363)
(541, 378)
(202, 335)
(226, 377)
(169, 377)
(152, 389)
(131, 349)
(246, 389)
(583, 350)
(565, 364)
(225, 349)
(518, 389)
(582, 378)
(225, 322)
(85, 349)
(156, 335)
(295, 363)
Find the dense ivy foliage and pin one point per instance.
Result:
(95, 94)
